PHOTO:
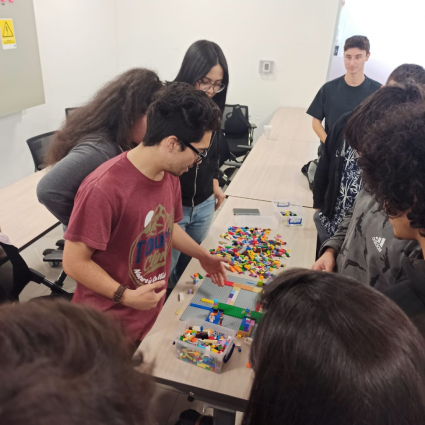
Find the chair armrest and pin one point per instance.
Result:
(253, 126)
(233, 164)
(248, 148)
(234, 158)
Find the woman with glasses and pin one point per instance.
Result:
(205, 67)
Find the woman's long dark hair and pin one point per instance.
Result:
(330, 351)
(201, 56)
(111, 113)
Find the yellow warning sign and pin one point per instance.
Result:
(8, 38)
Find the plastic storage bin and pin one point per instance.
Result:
(290, 213)
(198, 356)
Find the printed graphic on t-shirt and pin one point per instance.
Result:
(379, 243)
(150, 249)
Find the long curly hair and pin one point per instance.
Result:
(393, 163)
(111, 113)
(376, 107)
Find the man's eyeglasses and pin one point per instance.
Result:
(201, 155)
(205, 85)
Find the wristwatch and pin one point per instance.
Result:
(118, 294)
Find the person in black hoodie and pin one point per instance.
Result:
(393, 167)
(204, 66)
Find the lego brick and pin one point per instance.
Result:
(193, 313)
(247, 287)
(200, 306)
(205, 300)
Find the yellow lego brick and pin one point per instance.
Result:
(207, 301)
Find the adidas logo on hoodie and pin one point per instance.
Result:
(379, 243)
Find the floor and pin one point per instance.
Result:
(168, 401)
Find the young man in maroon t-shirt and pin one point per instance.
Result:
(124, 222)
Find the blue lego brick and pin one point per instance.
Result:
(201, 306)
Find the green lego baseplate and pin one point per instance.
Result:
(240, 313)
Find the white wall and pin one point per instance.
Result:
(85, 43)
(395, 30)
(78, 53)
(297, 35)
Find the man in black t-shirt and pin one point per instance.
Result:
(345, 93)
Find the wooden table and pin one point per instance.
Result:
(293, 124)
(272, 171)
(22, 217)
(231, 388)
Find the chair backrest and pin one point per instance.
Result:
(69, 111)
(238, 126)
(223, 148)
(21, 274)
(39, 146)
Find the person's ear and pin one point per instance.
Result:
(367, 57)
(171, 143)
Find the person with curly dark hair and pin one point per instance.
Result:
(69, 365)
(331, 351)
(393, 167)
(112, 122)
(337, 180)
(364, 246)
(124, 222)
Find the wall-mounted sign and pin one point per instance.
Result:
(7, 31)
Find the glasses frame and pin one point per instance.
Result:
(222, 86)
(201, 155)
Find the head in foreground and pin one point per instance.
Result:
(70, 365)
(332, 351)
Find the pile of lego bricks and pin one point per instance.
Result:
(252, 251)
(195, 357)
(205, 341)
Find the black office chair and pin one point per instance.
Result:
(69, 111)
(228, 159)
(236, 141)
(14, 279)
(39, 146)
(237, 129)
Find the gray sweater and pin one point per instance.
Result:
(57, 189)
(367, 249)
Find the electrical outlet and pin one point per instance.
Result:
(266, 67)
